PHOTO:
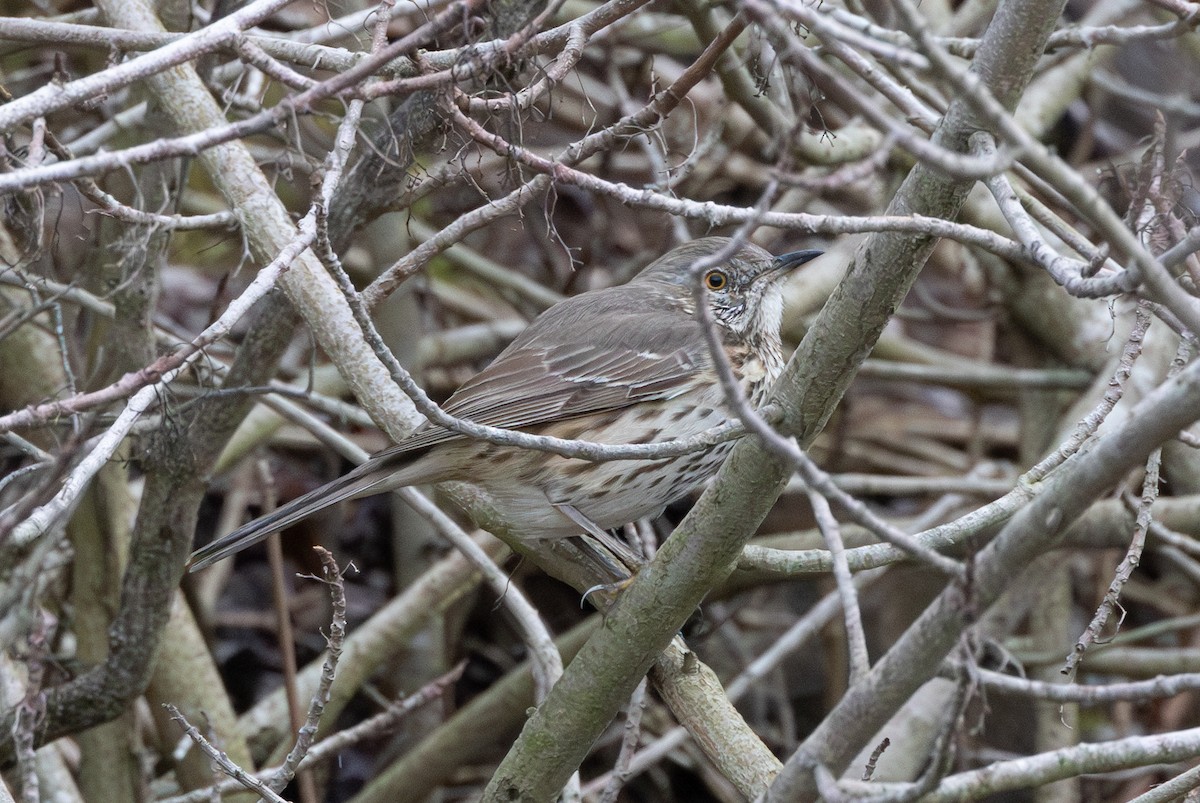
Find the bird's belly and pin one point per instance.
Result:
(616, 492)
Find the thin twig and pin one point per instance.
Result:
(223, 761)
(856, 639)
(333, 653)
(619, 774)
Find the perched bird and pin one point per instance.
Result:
(626, 364)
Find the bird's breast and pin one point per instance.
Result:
(756, 366)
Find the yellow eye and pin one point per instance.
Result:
(716, 280)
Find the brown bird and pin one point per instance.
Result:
(626, 364)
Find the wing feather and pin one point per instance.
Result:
(530, 384)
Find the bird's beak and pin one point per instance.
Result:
(785, 263)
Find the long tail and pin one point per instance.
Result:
(372, 477)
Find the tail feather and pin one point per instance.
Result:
(368, 479)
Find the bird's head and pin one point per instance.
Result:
(742, 289)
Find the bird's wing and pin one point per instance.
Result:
(533, 386)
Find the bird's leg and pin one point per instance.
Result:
(602, 547)
(631, 560)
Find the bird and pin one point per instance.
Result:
(626, 364)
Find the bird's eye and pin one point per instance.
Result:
(716, 280)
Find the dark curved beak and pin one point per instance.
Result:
(785, 263)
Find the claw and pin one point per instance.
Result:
(609, 592)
